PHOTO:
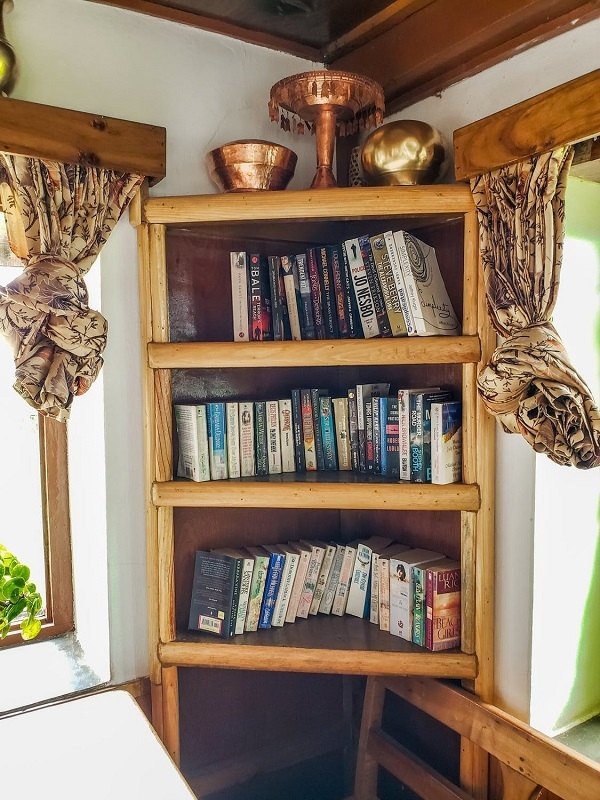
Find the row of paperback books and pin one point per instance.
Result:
(414, 434)
(384, 285)
(411, 593)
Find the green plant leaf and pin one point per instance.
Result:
(22, 572)
(14, 610)
(30, 628)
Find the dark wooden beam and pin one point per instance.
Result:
(564, 115)
(75, 137)
(448, 40)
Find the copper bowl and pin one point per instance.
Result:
(251, 165)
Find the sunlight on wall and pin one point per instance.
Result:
(566, 603)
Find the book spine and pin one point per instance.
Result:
(374, 598)
(357, 592)
(342, 436)
(255, 311)
(298, 586)
(418, 632)
(369, 441)
(442, 630)
(217, 440)
(239, 296)
(340, 600)
(233, 440)
(312, 575)
(328, 433)
(338, 291)
(332, 581)
(203, 449)
(271, 587)
(430, 589)
(377, 440)
(391, 437)
(350, 307)
(446, 442)
(327, 292)
(235, 598)
(257, 590)
(417, 467)
(291, 294)
(399, 282)
(276, 304)
(285, 589)
(384, 594)
(315, 293)
(187, 437)
(286, 436)
(321, 584)
(362, 292)
(261, 442)
(308, 428)
(404, 433)
(273, 439)
(307, 323)
(389, 289)
(375, 286)
(246, 425)
(353, 430)
(298, 430)
(315, 396)
(410, 283)
(360, 426)
(244, 594)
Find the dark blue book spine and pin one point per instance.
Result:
(307, 322)
(327, 292)
(260, 438)
(353, 430)
(354, 326)
(390, 436)
(271, 586)
(298, 430)
(315, 396)
(327, 427)
(428, 399)
(276, 305)
(374, 285)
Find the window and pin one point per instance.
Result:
(34, 488)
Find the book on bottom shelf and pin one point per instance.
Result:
(304, 553)
(247, 563)
(383, 582)
(326, 564)
(419, 578)
(257, 586)
(312, 575)
(380, 553)
(442, 598)
(402, 590)
(288, 573)
(359, 597)
(215, 591)
(340, 600)
(332, 581)
(276, 563)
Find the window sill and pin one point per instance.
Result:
(43, 671)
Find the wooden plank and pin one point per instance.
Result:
(474, 769)
(321, 660)
(563, 115)
(449, 40)
(365, 783)
(303, 491)
(166, 575)
(224, 27)
(335, 203)
(341, 352)
(75, 137)
(157, 708)
(170, 700)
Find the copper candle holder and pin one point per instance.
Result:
(326, 103)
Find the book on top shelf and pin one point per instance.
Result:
(215, 588)
(277, 298)
(328, 299)
(429, 300)
(375, 286)
(315, 293)
(307, 322)
(402, 589)
(446, 442)
(396, 270)
(362, 291)
(239, 295)
(442, 599)
(389, 289)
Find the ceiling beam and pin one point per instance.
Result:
(564, 115)
(448, 40)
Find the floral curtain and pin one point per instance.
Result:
(529, 384)
(58, 217)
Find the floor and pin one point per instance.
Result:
(584, 738)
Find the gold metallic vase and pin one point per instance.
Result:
(404, 152)
(8, 60)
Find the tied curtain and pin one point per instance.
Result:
(530, 384)
(58, 217)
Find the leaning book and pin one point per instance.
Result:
(215, 589)
(446, 442)
(442, 602)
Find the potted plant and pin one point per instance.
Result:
(18, 596)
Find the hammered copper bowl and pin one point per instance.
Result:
(251, 165)
(404, 152)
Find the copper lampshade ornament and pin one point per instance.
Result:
(326, 103)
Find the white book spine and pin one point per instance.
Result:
(341, 595)
(384, 594)
(374, 598)
(446, 443)
(409, 282)
(239, 296)
(187, 436)
(286, 436)
(298, 585)
(312, 575)
(246, 433)
(357, 592)
(203, 450)
(233, 439)
(400, 284)
(323, 578)
(342, 435)
(289, 284)
(244, 597)
(285, 588)
(333, 580)
(362, 292)
(273, 437)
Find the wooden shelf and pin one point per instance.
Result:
(339, 352)
(341, 645)
(341, 490)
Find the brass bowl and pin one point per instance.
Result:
(404, 152)
(251, 165)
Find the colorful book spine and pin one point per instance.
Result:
(239, 295)
(389, 289)
(299, 581)
(217, 440)
(390, 448)
(340, 600)
(358, 599)
(260, 299)
(417, 467)
(315, 397)
(341, 311)
(315, 292)
(442, 623)
(261, 443)
(369, 443)
(298, 430)
(333, 580)
(308, 429)
(233, 440)
(257, 586)
(326, 564)
(276, 562)
(328, 433)
(402, 589)
(353, 430)
(404, 433)
(399, 282)
(362, 292)
(376, 412)
(342, 434)
(244, 594)
(374, 589)
(327, 292)
(310, 583)
(292, 293)
(446, 442)
(307, 322)
(288, 574)
(246, 426)
(273, 438)
(286, 436)
(374, 285)
(418, 631)
(428, 400)
(276, 298)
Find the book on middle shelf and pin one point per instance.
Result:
(402, 589)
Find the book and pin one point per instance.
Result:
(390, 444)
(245, 583)
(342, 434)
(315, 397)
(286, 436)
(359, 598)
(377, 438)
(418, 580)
(233, 439)
(402, 590)
(374, 285)
(340, 599)
(298, 430)
(362, 292)
(260, 299)
(446, 442)
(399, 282)
(327, 292)
(328, 433)
(192, 435)
(277, 300)
(288, 573)
(349, 298)
(276, 563)
(364, 393)
(261, 442)
(246, 428)
(273, 437)
(442, 598)
(326, 564)
(215, 588)
(308, 431)
(383, 582)
(389, 289)
(289, 272)
(353, 430)
(332, 581)
(374, 593)
(307, 323)
(315, 293)
(404, 428)
(217, 440)
(305, 554)
(420, 433)
(312, 575)
(257, 586)
(239, 295)
(429, 301)
(341, 307)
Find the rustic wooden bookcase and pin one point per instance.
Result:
(188, 355)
